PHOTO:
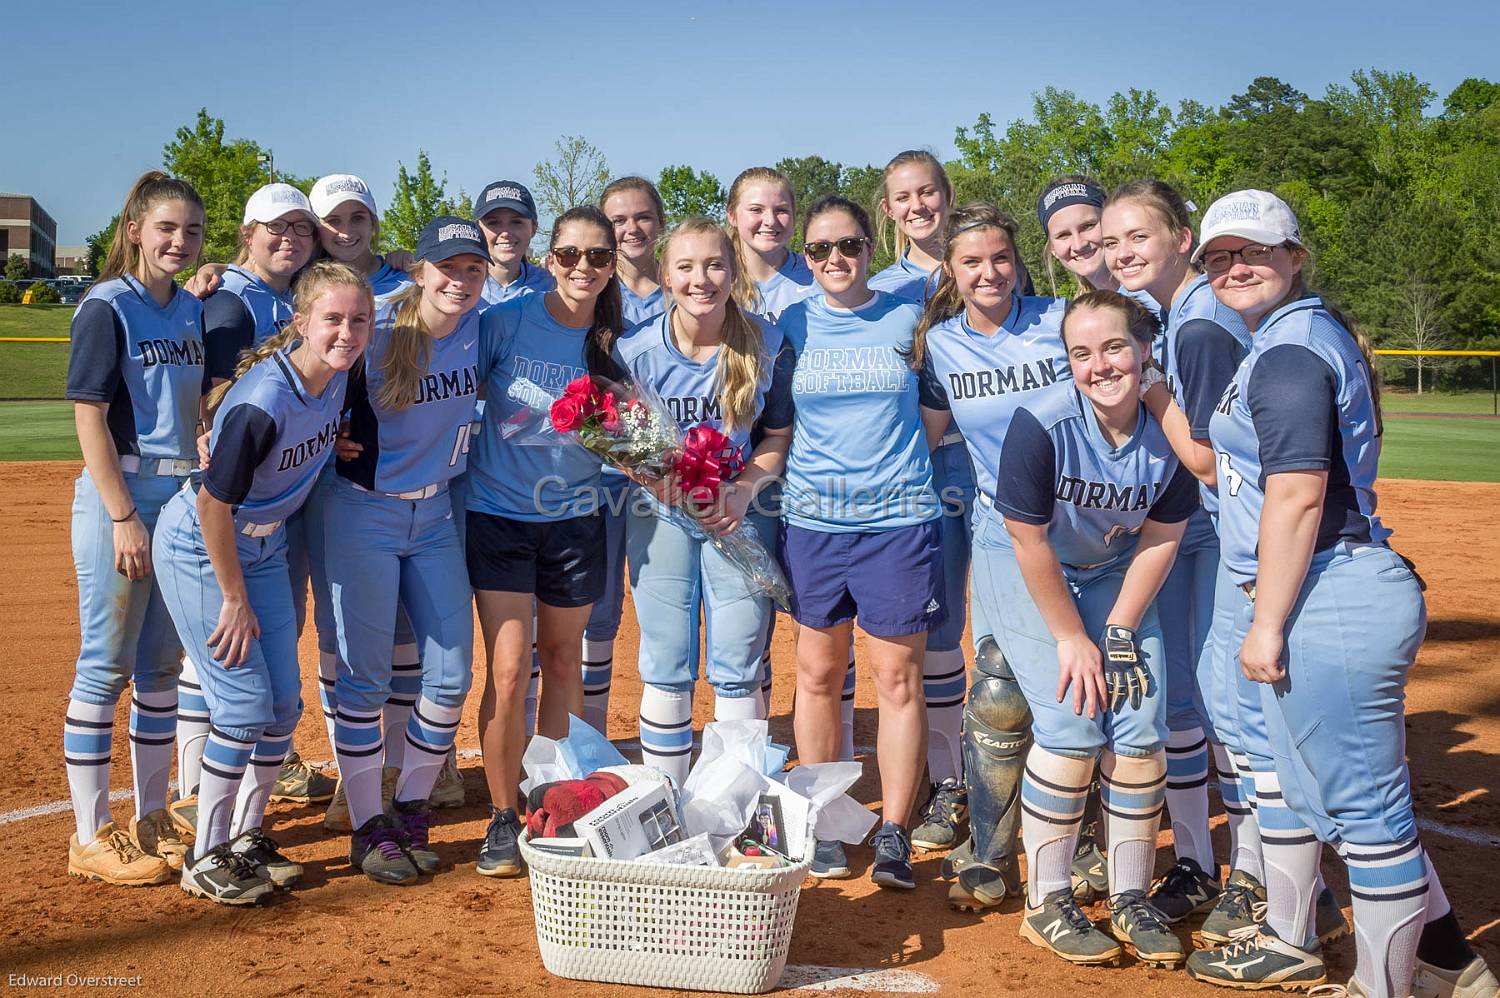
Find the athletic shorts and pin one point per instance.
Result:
(561, 562)
(890, 580)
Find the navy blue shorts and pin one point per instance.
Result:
(561, 562)
(891, 580)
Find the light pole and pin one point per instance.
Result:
(268, 160)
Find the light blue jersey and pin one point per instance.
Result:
(984, 380)
(526, 359)
(387, 280)
(905, 279)
(426, 443)
(145, 361)
(637, 309)
(532, 279)
(1061, 471)
(859, 459)
(270, 309)
(791, 283)
(270, 441)
(1300, 401)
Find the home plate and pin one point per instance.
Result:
(807, 977)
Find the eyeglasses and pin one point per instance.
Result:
(1253, 255)
(598, 256)
(278, 227)
(851, 247)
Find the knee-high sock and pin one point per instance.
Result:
(667, 731)
(1389, 886)
(406, 686)
(943, 684)
(328, 667)
(153, 724)
(1238, 794)
(430, 731)
(598, 674)
(88, 737)
(1053, 790)
(255, 789)
(1187, 797)
(1292, 853)
(742, 708)
(846, 710)
(359, 746)
(1443, 943)
(192, 728)
(224, 762)
(1131, 790)
(534, 685)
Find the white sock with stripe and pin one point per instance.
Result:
(741, 708)
(1388, 884)
(406, 687)
(88, 740)
(328, 670)
(224, 761)
(1187, 797)
(359, 746)
(598, 675)
(944, 686)
(1054, 789)
(1292, 853)
(430, 732)
(846, 709)
(1131, 791)
(667, 731)
(255, 789)
(192, 728)
(153, 728)
(1237, 794)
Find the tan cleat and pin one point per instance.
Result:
(114, 859)
(337, 819)
(299, 783)
(155, 835)
(448, 791)
(1474, 981)
(184, 814)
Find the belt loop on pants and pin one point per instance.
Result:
(151, 467)
(425, 492)
(260, 529)
(951, 438)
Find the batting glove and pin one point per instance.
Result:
(1125, 673)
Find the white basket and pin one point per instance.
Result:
(691, 927)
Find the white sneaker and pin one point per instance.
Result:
(1474, 981)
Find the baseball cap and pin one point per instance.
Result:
(273, 201)
(1256, 215)
(336, 188)
(505, 194)
(448, 236)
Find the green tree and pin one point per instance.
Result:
(225, 172)
(687, 192)
(1264, 95)
(99, 243)
(419, 197)
(17, 267)
(812, 177)
(577, 176)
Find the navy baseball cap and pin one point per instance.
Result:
(448, 236)
(505, 194)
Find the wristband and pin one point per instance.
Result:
(124, 518)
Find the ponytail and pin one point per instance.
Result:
(150, 188)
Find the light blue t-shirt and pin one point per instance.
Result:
(792, 283)
(532, 279)
(858, 460)
(905, 279)
(637, 309)
(526, 359)
(387, 280)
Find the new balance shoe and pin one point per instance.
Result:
(448, 791)
(829, 861)
(299, 783)
(264, 854)
(155, 835)
(1137, 923)
(115, 859)
(1258, 960)
(1474, 981)
(1090, 872)
(1185, 890)
(943, 815)
(892, 857)
(414, 818)
(1240, 906)
(336, 818)
(500, 855)
(184, 814)
(1328, 919)
(224, 876)
(979, 887)
(376, 848)
(1059, 925)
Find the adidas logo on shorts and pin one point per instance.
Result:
(932, 606)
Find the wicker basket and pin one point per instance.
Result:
(691, 927)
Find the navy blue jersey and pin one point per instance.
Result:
(145, 360)
(985, 379)
(791, 283)
(637, 309)
(427, 442)
(1300, 401)
(270, 441)
(531, 280)
(244, 311)
(1061, 471)
(906, 280)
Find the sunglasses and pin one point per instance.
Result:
(278, 227)
(851, 247)
(569, 256)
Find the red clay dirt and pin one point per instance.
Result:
(460, 933)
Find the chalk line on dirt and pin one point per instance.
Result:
(811, 977)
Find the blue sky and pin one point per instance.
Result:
(95, 90)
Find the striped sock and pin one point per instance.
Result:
(406, 687)
(944, 685)
(667, 731)
(1187, 797)
(846, 709)
(533, 687)
(153, 727)
(1237, 790)
(192, 728)
(1053, 791)
(598, 673)
(224, 761)
(1388, 884)
(255, 790)
(358, 745)
(328, 671)
(1292, 853)
(741, 708)
(88, 736)
(429, 734)
(1131, 791)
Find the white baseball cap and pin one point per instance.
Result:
(1256, 215)
(336, 188)
(274, 201)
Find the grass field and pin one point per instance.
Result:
(33, 370)
(1480, 402)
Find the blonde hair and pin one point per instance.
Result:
(311, 284)
(946, 301)
(149, 190)
(1161, 198)
(890, 235)
(744, 291)
(407, 353)
(641, 186)
(742, 357)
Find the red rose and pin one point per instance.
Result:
(567, 414)
(609, 416)
(582, 387)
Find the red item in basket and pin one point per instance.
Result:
(555, 806)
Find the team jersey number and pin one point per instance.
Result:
(1227, 472)
(461, 443)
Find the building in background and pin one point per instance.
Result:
(27, 229)
(72, 260)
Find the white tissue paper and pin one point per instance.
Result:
(574, 757)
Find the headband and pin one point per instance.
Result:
(1059, 196)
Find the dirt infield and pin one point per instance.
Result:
(460, 933)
